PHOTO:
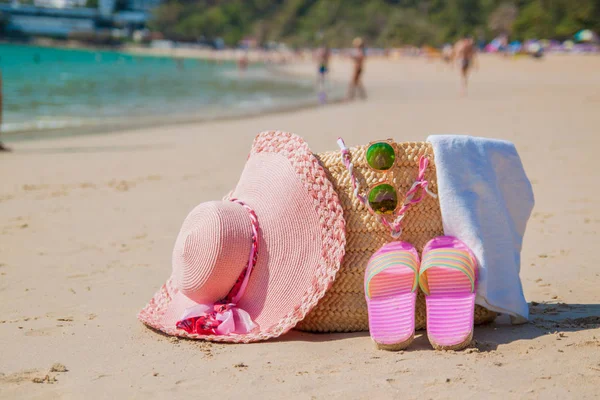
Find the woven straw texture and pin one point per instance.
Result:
(344, 309)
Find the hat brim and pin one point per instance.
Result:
(301, 242)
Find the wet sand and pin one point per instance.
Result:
(87, 226)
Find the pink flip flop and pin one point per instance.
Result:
(391, 292)
(447, 277)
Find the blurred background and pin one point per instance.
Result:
(72, 66)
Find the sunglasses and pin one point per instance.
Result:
(380, 155)
(382, 197)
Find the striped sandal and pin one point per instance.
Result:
(448, 277)
(391, 291)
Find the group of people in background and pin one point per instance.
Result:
(463, 53)
(358, 57)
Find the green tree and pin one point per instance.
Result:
(534, 21)
(380, 22)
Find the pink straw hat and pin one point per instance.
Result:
(251, 267)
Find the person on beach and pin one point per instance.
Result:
(323, 63)
(2, 146)
(358, 59)
(465, 51)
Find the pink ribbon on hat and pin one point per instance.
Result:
(218, 319)
(224, 317)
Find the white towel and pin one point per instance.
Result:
(486, 200)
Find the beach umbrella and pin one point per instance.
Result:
(515, 46)
(585, 35)
(493, 46)
(489, 48)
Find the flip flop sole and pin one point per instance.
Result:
(448, 277)
(450, 309)
(392, 308)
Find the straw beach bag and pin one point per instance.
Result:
(344, 309)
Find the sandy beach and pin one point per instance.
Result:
(87, 226)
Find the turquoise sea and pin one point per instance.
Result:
(49, 90)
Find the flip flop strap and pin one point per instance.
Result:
(391, 259)
(457, 259)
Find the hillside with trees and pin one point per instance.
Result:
(381, 22)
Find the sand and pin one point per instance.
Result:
(87, 226)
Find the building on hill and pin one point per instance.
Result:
(59, 3)
(66, 18)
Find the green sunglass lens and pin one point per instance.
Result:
(383, 199)
(381, 156)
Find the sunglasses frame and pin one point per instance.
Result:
(392, 145)
(373, 186)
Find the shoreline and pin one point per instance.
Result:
(174, 121)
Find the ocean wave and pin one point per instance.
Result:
(40, 125)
